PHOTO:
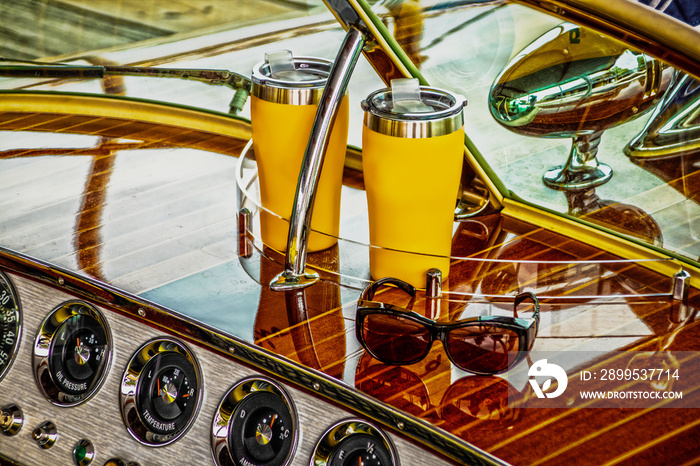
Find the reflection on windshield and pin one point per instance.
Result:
(73, 27)
(464, 46)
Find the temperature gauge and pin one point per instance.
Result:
(72, 352)
(255, 424)
(10, 324)
(161, 392)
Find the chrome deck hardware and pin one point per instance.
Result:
(295, 274)
(244, 221)
(679, 309)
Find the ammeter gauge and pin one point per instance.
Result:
(255, 424)
(161, 392)
(72, 352)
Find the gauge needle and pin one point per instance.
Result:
(273, 420)
(158, 381)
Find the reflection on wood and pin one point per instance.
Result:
(305, 325)
(87, 228)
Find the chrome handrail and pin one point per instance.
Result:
(295, 274)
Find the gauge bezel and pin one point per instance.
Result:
(42, 352)
(132, 381)
(222, 422)
(18, 319)
(343, 430)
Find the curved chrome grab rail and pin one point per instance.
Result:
(295, 275)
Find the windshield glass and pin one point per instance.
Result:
(567, 118)
(560, 116)
(42, 28)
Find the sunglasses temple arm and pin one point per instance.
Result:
(368, 293)
(522, 297)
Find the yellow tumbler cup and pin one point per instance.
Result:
(412, 154)
(284, 100)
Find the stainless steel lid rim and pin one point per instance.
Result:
(445, 118)
(290, 92)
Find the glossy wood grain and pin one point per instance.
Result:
(152, 210)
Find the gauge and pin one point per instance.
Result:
(362, 450)
(255, 424)
(161, 392)
(10, 324)
(72, 352)
(356, 443)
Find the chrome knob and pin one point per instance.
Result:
(45, 435)
(11, 419)
(120, 462)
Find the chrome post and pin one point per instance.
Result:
(680, 285)
(433, 285)
(679, 308)
(433, 292)
(244, 222)
(295, 275)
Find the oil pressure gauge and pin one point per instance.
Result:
(10, 324)
(161, 392)
(72, 352)
(255, 424)
(354, 442)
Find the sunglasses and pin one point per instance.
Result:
(482, 345)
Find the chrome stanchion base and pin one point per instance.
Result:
(288, 280)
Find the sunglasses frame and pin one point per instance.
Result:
(525, 327)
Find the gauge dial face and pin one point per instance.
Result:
(261, 430)
(72, 353)
(166, 396)
(360, 450)
(354, 443)
(10, 324)
(161, 392)
(255, 424)
(77, 354)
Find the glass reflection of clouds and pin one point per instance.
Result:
(18, 140)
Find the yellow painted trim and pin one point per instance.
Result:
(126, 109)
(601, 239)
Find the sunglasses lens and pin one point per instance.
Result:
(483, 348)
(395, 339)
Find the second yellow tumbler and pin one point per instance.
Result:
(412, 153)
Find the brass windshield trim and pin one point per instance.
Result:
(636, 24)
